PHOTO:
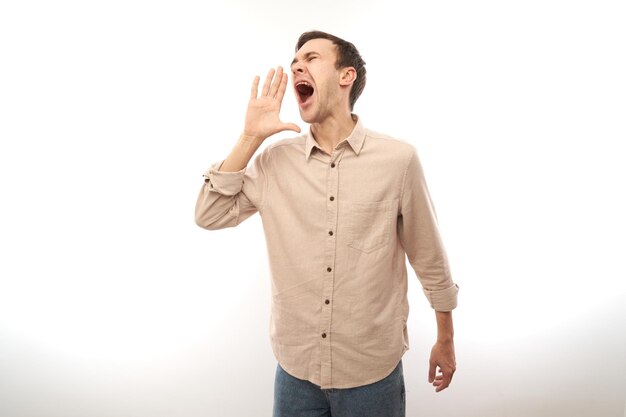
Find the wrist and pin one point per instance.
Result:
(249, 143)
(250, 139)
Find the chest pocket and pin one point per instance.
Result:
(369, 224)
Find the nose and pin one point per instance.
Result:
(296, 67)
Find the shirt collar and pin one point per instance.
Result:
(356, 139)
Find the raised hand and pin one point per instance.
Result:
(262, 116)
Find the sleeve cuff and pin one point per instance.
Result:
(443, 300)
(226, 183)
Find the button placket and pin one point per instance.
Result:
(332, 186)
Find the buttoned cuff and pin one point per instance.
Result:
(443, 300)
(226, 183)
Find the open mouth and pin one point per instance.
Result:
(304, 90)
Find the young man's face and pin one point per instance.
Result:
(316, 80)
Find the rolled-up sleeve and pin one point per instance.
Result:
(225, 183)
(420, 238)
(228, 198)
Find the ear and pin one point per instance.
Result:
(347, 76)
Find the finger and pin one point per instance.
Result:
(441, 387)
(451, 374)
(255, 87)
(282, 87)
(431, 372)
(268, 81)
(449, 371)
(445, 381)
(277, 81)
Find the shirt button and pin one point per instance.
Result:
(324, 335)
(332, 198)
(332, 165)
(330, 232)
(327, 302)
(329, 269)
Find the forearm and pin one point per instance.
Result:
(242, 153)
(220, 202)
(445, 328)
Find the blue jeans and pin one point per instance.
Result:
(295, 397)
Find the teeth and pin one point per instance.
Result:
(304, 82)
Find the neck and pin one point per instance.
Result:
(333, 130)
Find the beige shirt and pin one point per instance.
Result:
(337, 229)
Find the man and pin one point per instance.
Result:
(341, 207)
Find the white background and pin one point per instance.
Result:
(114, 303)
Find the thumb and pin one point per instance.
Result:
(291, 126)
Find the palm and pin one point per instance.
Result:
(263, 114)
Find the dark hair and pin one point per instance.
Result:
(347, 56)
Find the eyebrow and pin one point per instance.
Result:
(308, 54)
